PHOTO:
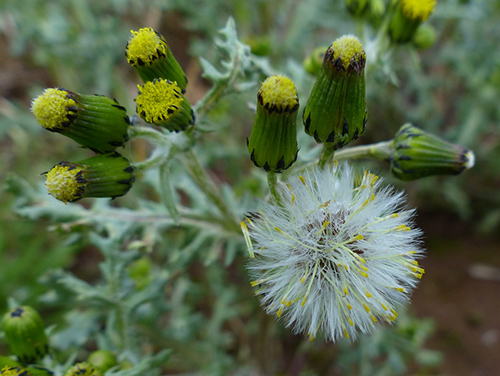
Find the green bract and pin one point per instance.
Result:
(107, 175)
(336, 110)
(148, 52)
(406, 18)
(102, 360)
(94, 121)
(25, 334)
(273, 142)
(417, 154)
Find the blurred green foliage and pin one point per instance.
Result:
(212, 326)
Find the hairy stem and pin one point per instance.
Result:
(205, 182)
(326, 155)
(272, 181)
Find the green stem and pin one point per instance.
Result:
(380, 151)
(150, 134)
(158, 158)
(167, 192)
(326, 154)
(272, 181)
(200, 175)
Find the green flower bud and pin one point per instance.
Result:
(336, 110)
(424, 37)
(312, 64)
(107, 175)
(148, 52)
(417, 154)
(161, 102)
(82, 369)
(102, 360)
(94, 121)
(406, 18)
(140, 272)
(25, 334)
(14, 371)
(273, 142)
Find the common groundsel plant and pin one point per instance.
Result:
(332, 250)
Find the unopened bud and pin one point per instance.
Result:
(336, 110)
(273, 142)
(312, 64)
(25, 334)
(162, 103)
(94, 121)
(148, 52)
(102, 360)
(424, 37)
(407, 16)
(107, 175)
(417, 154)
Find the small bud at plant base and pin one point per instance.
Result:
(424, 37)
(140, 272)
(407, 16)
(82, 369)
(148, 52)
(107, 175)
(25, 334)
(273, 142)
(162, 103)
(312, 64)
(14, 371)
(102, 360)
(94, 121)
(417, 154)
(336, 110)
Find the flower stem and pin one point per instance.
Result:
(380, 151)
(167, 192)
(200, 175)
(157, 159)
(150, 134)
(326, 154)
(272, 181)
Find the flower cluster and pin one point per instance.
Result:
(101, 124)
(336, 255)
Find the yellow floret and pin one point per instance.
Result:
(417, 9)
(279, 92)
(159, 100)
(347, 48)
(64, 182)
(51, 108)
(145, 45)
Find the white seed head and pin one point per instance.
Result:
(338, 255)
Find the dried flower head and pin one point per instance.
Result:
(337, 256)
